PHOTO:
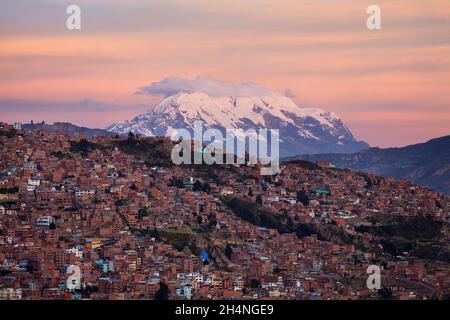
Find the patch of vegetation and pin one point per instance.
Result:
(434, 251)
(143, 212)
(257, 215)
(228, 250)
(163, 293)
(58, 154)
(411, 228)
(84, 146)
(179, 240)
(9, 190)
(176, 182)
(201, 187)
(419, 236)
(153, 233)
(9, 134)
(121, 202)
(243, 177)
(210, 173)
(154, 152)
(303, 164)
(8, 204)
(303, 197)
(330, 232)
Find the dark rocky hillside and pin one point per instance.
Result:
(427, 164)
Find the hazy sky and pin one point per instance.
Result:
(391, 87)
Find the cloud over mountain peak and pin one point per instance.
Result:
(215, 88)
(223, 106)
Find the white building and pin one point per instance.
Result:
(10, 294)
(44, 221)
(30, 166)
(17, 125)
(34, 182)
(77, 250)
(184, 290)
(80, 193)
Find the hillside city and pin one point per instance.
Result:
(138, 227)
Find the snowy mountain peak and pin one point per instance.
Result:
(302, 130)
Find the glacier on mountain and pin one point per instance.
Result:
(302, 130)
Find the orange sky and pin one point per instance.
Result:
(389, 86)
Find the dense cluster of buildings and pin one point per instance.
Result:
(127, 227)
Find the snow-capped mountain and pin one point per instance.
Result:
(302, 130)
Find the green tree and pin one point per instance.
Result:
(302, 197)
(255, 284)
(385, 293)
(163, 292)
(197, 186)
(228, 251)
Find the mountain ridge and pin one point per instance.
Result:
(302, 130)
(66, 128)
(425, 163)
